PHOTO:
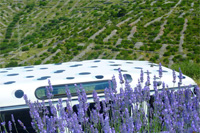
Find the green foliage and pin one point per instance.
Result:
(38, 62)
(25, 48)
(12, 64)
(39, 45)
(188, 68)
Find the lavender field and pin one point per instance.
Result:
(131, 110)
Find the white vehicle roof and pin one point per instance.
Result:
(29, 78)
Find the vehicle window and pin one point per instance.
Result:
(59, 91)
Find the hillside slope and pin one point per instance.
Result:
(52, 31)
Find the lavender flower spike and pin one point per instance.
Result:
(180, 76)
(174, 76)
(22, 124)
(160, 70)
(10, 126)
(120, 76)
(141, 76)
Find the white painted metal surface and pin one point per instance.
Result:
(26, 78)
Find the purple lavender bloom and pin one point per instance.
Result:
(12, 117)
(120, 76)
(106, 126)
(174, 76)
(114, 84)
(160, 70)
(22, 124)
(180, 76)
(96, 100)
(148, 79)
(50, 86)
(68, 92)
(3, 123)
(81, 115)
(10, 126)
(141, 76)
(95, 117)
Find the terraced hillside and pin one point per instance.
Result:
(52, 31)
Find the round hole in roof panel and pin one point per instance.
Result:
(157, 77)
(97, 61)
(149, 72)
(99, 76)
(121, 70)
(59, 71)
(182, 76)
(29, 76)
(94, 66)
(19, 94)
(69, 77)
(159, 83)
(58, 64)
(14, 74)
(29, 67)
(84, 73)
(163, 71)
(152, 65)
(3, 71)
(138, 67)
(111, 62)
(44, 77)
(129, 62)
(43, 68)
(9, 82)
(128, 77)
(115, 65)
(29, 70)
(76, 65)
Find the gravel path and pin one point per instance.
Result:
(132, 32)
(40, 53)
(140, 57)
(36, 16)
(181, 15)
(114, 57)
(138, 45)
(162, 50)
(162, 27)
(83, 52)
(167, 2)
(97, 33)
(48, 58)
(167, 15)
(110, 36)
(118, 41)
(170, 60)
(182, 37)
(5, 19)
(153, 3)
(17, 8)
(101, 55)
(119, 24)
(174, 8)
(52, 8)
(33, 12)
(3, 24)
(84, 30)
(142, 3)
(9, 7)
(129, 12)
(151, 22)
(135, 22)
(192, 4)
